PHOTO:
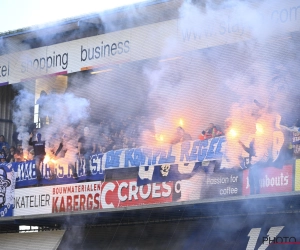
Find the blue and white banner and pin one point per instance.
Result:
(7, 189)
(55, 173)
(190, 157)
(185, 152)
(176, 161)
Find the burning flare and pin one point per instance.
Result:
(159, 137)
(48, 159)
(181, 122)
(233, 133)
(259, 129)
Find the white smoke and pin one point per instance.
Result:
(22, 115)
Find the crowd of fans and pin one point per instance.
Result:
(107, 135)
(13, 153)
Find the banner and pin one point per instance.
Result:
(7, 189)
(297, 175)
(223, 184)
(139, 43)
(204, 184)
(58, 173)
(269, 180)
(209, 185)
(89, 196)
(180, 153)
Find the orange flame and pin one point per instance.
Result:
(233, 133)
(259, 129)
(46, 159)
(159, 137)
(181, 122)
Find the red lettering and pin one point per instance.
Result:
(96, 201)
(54, 204)
(53, 190)
(89, 203)
(75, 208)
(82, 201)
(69, 203)
(62, 205)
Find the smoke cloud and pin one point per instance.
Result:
(188, 88)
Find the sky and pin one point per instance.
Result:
(16, 14)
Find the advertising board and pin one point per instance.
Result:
(89, 196)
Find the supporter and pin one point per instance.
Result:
(19, 155)
(253, 167)
(181, 136)
(86, 147)
(19, 146)
(2, 158)
(5, 149)
(117, 138)
(10, 157)
(103, 149)
(3, 142)
(212, 131)
(125, 142)
(201, 137)
(134, 144)
(39, 152)
(109, 144)
(30, 155)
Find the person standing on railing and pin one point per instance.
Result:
(39, 153)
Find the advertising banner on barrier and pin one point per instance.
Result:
(89, 196)
(268, 180)
(223, 184)
(203, 185)
(297, 175)
(207, 185)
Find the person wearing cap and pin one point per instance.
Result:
(4, 183)
(39, 153)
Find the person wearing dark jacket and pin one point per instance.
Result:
(39, 153)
